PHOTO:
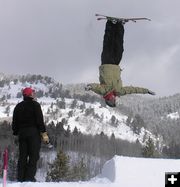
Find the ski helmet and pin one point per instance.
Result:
(28, 92)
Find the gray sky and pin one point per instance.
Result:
(62, 39)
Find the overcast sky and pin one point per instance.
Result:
(63, 39)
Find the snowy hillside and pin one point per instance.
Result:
(123, 171)
(89, 118)
(86, 124)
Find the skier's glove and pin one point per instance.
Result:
(151, 92)
(45, 137)
(88, 87)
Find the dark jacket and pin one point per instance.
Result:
(27, 114)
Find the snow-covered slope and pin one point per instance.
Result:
(122, 171)
(99, 118)
(99, 121)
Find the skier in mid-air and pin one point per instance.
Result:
(109, 71)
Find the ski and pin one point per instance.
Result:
(118, 19)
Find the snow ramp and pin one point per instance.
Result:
(120, 172)
(139, 172)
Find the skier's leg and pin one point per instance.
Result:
(34, 143)
(113, 43)
(118, 42)
(22, 161)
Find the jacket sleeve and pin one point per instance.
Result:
(15, 122)
(100, 89)
(132, 90)
(39, 118)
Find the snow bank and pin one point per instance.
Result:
(60, 184)
(139, 172)
(121, 172)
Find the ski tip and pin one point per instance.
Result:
(100, 19)
(145, 19)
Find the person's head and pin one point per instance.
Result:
(28, 92)
(110, 99)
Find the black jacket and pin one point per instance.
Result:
(26, 114)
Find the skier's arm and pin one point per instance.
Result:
(134, 90)
(15, 122)
(40, 123)
(39, 118)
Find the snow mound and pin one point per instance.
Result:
(121, 172)
(139, 172)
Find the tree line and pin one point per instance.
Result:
(154, 115)
(64, 141)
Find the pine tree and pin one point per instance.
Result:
(59, 170)
(149, 149)
(137, 124)
(75, 131)
(7, 110)
(113, 121)
(70, 113)
(79, 171)
(83, 106)
(67, 133)
(73, 104)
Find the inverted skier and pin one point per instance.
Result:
(110, 85)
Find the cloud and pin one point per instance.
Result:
(62, 39)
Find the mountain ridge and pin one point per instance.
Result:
(136, 112)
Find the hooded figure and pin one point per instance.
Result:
(109, 71)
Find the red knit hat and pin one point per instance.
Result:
(110, 98)
(110, 95)
(27, 92)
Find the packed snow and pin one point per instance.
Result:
(174, 115)
(121, 171)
